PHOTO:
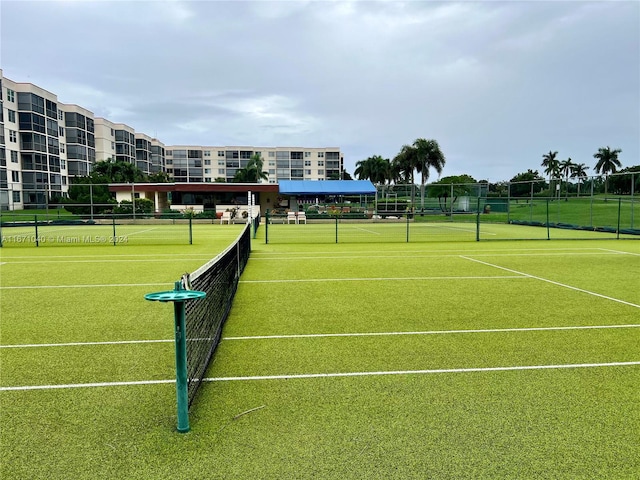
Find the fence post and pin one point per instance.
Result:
(632, 194)
(478, 221)
(35, 218)
(591, 205)
(407, 226)
(266, 227)
(113, 218)
(548, 231)
(619, 213)
(190, 230)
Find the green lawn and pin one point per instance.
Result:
(442, 359)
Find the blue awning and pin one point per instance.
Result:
(326, 187)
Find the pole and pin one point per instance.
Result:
(91, 200)
(478, 221)
(35, 217)
(181, 366)
(178, 296)
(632, 194)
(548, 233)
(619, 213)
(113, 218)
(133, 200)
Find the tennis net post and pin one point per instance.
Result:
(178, 296)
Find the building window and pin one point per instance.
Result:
(321, 163)
(320, 154)
(60, 115)
(320, 172)
(61, 131)
(12, 116)
(13, 136)
(307, 172)
(307, 154)
(272, 154)
(11, 95)
(307, 163)
(207, 161)
(16, 197)
(207, 153)
(15, 177)
(221, 163)
(62, 148)
(63, 166)
(272, 164)
(221, 153)
(14, 157)
(207, 171)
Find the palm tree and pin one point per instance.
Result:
(375, 168)
(551, 166)
(255, 166)
(564, 167)
(427, 155)
(252, 173)
(607, 163)
(579, 171)
(404, 164)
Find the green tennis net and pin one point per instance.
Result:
(205, 318)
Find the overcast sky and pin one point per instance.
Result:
(497, 84)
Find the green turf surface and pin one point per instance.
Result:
(397, 318)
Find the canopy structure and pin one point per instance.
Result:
(326, 187)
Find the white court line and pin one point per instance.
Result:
(498, 250)
(377, 279)
(204, 257)
(421, 372)
(553, 282)
(26, 287)
(84, 344)
(323, 335)
(409, 255)
(434, 332)
(368, 231)
(139, 231)
(64, 257)
(326, 375)
(620, 252)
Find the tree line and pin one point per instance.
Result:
(424, 155)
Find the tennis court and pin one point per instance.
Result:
(512, 359)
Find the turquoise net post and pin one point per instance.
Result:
(178, 297)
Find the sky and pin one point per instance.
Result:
(497, 84)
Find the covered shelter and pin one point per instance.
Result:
(296, 194)
(197, 196)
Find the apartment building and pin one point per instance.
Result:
(211, 164)
(44, 143)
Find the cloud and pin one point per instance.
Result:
(496, 83)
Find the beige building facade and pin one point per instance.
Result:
(44, 143)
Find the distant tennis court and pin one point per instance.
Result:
(443, 359)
